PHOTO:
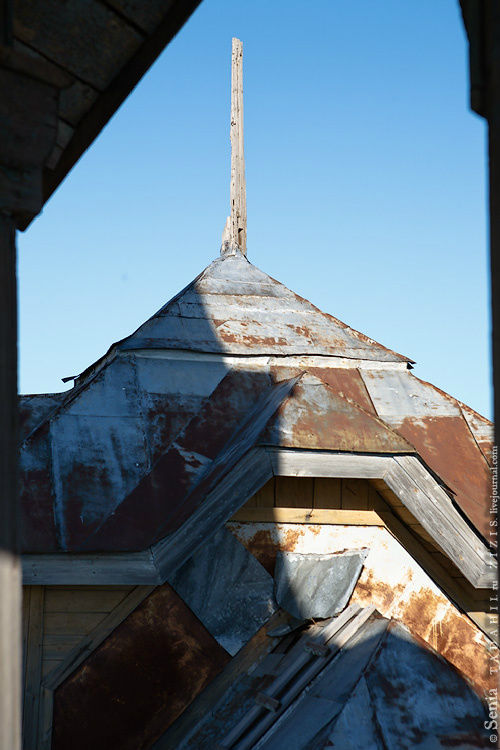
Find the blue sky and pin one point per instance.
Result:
(366, 188)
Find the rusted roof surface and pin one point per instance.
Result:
(391, 580)
(314, 416)
(450, 438)
(127, 455)
(233, 307)
(389, 685)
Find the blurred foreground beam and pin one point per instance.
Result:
(28, 120)
(482, 23)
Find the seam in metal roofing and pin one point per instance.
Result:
(115, 459)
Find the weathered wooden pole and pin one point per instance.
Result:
(235, 233)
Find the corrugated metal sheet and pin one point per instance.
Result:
(134, 685)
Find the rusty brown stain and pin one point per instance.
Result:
(369, 590)
(452, 636)
(264, 547)
(446, 444)
(347, 382)
(133, 686)
(316, 417)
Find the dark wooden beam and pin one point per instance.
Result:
(28, 125)
(110, 100)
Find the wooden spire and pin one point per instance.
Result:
(235, 232)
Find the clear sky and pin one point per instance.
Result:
(366, 188)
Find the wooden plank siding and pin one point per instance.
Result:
(70, 614)
(55, 622)
(317, 492)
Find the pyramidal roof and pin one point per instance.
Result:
(233, 307)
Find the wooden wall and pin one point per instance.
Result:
(57, 621)
(307, 492)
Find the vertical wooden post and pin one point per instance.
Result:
(29, 95)
(238, 219)
(10, 570)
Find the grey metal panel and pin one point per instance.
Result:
(178, 377)
(112, 393)
(97, 461)
(227, 589)
(35, 408)
(398, 394)
(420, 700)
(219, 312)
(356, 727)
(316, 586)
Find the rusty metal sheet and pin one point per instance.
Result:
(347, 382)
(447, 446)
(407, 695)
(391, 580)
(441, 432)
(315, 417)
(223, 311)
(227, 589)
(102, 440)
(96, 463)
(385, 689)
(38, 532)
(418, 699)
(185, 474)
(133, 686)
(482, 429)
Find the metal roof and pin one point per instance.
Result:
(233, 307)
(235, 360)
(358, 680)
